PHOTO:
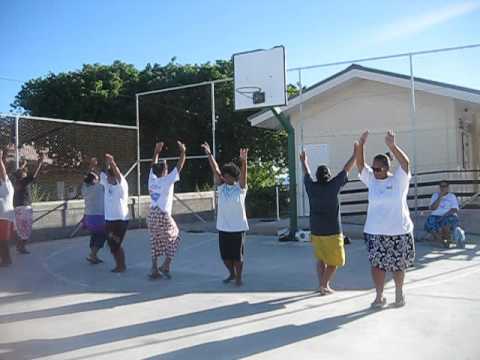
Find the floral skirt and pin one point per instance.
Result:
(434, 223)
(390, 253)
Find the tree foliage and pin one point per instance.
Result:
(106, 93)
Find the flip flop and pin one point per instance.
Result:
(154, 276)
(94, 261)
(165, 273)
(400, 303)
(379, 304)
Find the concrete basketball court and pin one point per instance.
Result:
(54, 305)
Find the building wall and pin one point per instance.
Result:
(341, 115)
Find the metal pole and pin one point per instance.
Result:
(85, 123)
(194, 213)
(17, 151)
(184, 86)
(302, 142)
(277, 199)
(345, 62)
(414, 133)
(292, 170)
(214, 144)
(138, 156)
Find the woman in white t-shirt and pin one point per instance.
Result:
(388, 229)
(164, 233)
(444, 217)
(7, 214)
(116, 211)
(231, 216)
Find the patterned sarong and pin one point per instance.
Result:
(164, 233)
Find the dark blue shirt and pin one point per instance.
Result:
(324, 204)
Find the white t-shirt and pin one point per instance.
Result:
(6, 200)
(116, 198)
(231, 215)
(161, 190)
(448, 202)
(388, 212)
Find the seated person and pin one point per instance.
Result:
(444, 217)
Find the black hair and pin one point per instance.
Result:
(323, 174)
(231, 169)
(444, 182)
(19, 172)
(88, 179)
(385, 159)
(158, 168)
(110, 172)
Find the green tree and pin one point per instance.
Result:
(106, 93)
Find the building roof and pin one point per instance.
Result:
(362, 72)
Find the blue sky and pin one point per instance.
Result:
(38, 37)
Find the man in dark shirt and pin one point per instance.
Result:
(325, 224)
(22, 201)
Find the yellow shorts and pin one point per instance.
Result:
(329, 249)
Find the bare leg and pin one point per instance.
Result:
(238, 265)
(378, 277)
(166, 264)
(119, 257)
(21, 246)
(94, 252)
(4, 253)
(437, 236)
(445, 233)
(154, 274)
(327, 276)
(399, 277)
(320, 271)
(229, 266)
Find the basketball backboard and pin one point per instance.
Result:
(260, 79)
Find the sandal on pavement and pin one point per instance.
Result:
(379, 304)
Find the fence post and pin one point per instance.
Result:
(292, 168)
(17, 151)
(277, 201)
(414, 135)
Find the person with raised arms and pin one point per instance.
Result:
(164, 232)
(232, 221)
(388, 229)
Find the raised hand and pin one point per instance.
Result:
(243, 154)
(303, 156)
(108, 159)
(159, 147)
(390, 138)
(181, 146)
(206, 148)
(363, 138)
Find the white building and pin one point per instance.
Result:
(338, 109)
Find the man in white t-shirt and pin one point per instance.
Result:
(116, 210)
(164, 233)
(444, 217)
